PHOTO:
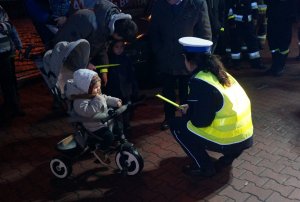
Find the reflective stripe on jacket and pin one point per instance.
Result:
(233, 122)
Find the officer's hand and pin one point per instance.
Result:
(184, 108)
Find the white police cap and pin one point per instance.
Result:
(194, 44)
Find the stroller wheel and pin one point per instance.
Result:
(60, 167)
(129, 161)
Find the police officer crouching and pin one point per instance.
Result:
(217, 115)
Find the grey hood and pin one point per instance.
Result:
(54, 60)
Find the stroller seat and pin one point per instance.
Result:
(56, 74)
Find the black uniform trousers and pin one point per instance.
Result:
(195, 146)
(170, 84)
(279, 33)
(243, 32)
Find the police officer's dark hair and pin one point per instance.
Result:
(126, 28)
(212, 63)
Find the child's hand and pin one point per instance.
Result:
(184, 108)
(119, 103)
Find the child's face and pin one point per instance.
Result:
(118, 48)
(96, 88)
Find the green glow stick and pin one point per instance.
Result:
(168, 101)
(107, 65)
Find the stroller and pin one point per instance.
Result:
(82, 142)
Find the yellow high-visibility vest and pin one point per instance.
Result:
(233, 122)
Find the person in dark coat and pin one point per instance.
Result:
(281, 15)
(8, 83)
(171, 20)
(216, 11)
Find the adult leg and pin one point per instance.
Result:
(235, 44)
(193, 147)
(284, 41)
(251, 41)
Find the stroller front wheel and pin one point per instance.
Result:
(60, 167)
(129, 161)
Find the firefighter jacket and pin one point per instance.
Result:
(231, 121)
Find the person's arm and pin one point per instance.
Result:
(88, 107)
(222, 14)
(204, 101)
(16, 38)
(154, 33)
(203, 28)
(113, 101)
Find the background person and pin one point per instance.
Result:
(8, 83)
(217, 115)
(98, 26)
(172, 19)
(281, 15)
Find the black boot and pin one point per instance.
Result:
(275, 59)
(279, 68)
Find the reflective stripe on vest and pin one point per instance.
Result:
(233, 122)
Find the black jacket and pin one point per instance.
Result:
(216, 12)
(168, 24)
(204, 101)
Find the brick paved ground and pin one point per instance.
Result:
(269, 171)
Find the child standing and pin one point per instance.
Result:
(85, 90)
(121, 82)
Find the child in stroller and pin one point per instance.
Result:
(85, 92)
(92, 119)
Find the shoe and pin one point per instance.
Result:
(102, 156)
(164, 125)
(194, 171)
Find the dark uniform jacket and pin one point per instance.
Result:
(168, 24)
